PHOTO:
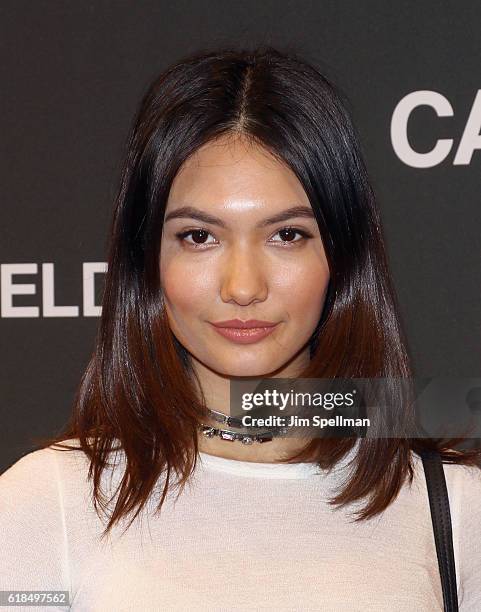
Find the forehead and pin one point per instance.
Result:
(233, 174)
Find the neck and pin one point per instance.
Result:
(216, 391)
(279, 449)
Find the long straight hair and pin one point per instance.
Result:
(137, 392)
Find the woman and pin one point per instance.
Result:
(244, 202)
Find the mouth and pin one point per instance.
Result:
(248, 334)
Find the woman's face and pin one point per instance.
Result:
(237, 262)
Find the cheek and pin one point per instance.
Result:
(185, 288)
(302, 289)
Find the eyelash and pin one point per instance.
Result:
(286, 244)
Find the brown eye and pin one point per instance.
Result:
(287, 234)
(199, 237)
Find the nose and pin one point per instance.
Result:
(243, 280)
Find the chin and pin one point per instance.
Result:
(254, 370)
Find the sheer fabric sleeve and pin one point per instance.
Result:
(465, 501)
(33, 551)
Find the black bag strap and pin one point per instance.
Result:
(441, 519)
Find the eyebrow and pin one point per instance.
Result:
(191, 212)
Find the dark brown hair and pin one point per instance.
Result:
(137, 391)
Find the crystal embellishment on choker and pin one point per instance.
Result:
(260, 435)
(232, 436)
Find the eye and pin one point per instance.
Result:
(287, 235)
(198, 237)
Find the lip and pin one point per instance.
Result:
(249, 324)
(253, 330)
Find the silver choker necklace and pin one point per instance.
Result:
(262, 435)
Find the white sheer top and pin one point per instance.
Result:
(241, 536)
